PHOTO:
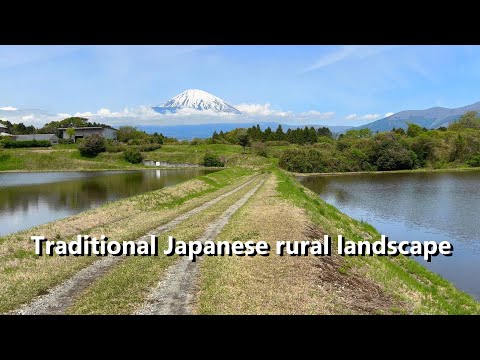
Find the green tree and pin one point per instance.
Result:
(279, 134)
(128, 133)
(469, 120)
(157, 138)
(70, 132)
(92, 145)
(325, 131)
(312, 135)
(243, 140)
(267, 134)
(414, 130)
(359, 134)
(214, 137)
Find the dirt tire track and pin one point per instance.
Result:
(59, 298)
(175, 293)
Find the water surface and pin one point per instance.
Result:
(416, 206)
(30, 199)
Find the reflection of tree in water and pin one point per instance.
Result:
(341, 195)
(317, 184)
(84, 193)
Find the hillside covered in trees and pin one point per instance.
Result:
(361, 150)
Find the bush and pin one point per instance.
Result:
(11, 144)
(65, 141)
(92, 145)
(396, 159)
(211, 160)
(260, 149)
(302, 160)
(133, 156)
(474, 162)
(116, 148)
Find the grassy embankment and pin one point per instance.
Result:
(24, 275)
(316, 285)
(67, 158)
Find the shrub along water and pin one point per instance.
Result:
(211, 160)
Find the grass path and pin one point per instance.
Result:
(125, 287)
(174, 294)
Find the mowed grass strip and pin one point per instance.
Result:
(24, 275)
(261, 285)
(126, 286)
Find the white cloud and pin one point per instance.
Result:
(260, 109)
(8, 108)
(145, 115)
(370, 117)
(332, 58)
(363, 117)
(348, 51)
(83, 114)
(319, 115)
(388, 114)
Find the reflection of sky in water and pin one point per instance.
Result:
(419, 206)
(30, 199)
(17, 179)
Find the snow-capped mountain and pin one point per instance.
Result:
(198, 100)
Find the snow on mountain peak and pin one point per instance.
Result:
(198, 100)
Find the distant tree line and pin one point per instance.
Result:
(307, 135)
(18, 129)
(417, 147)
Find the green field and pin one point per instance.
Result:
(67, 157)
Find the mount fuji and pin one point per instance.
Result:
(203, 101)
(197, 100)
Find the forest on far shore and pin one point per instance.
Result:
(361, 150)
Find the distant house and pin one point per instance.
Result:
(50, 137)
(7, 134)
(3, 129)
(81, 132)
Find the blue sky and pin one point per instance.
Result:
(335, 85)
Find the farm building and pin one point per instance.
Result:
(81, 132)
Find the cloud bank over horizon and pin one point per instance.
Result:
(145, 116)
